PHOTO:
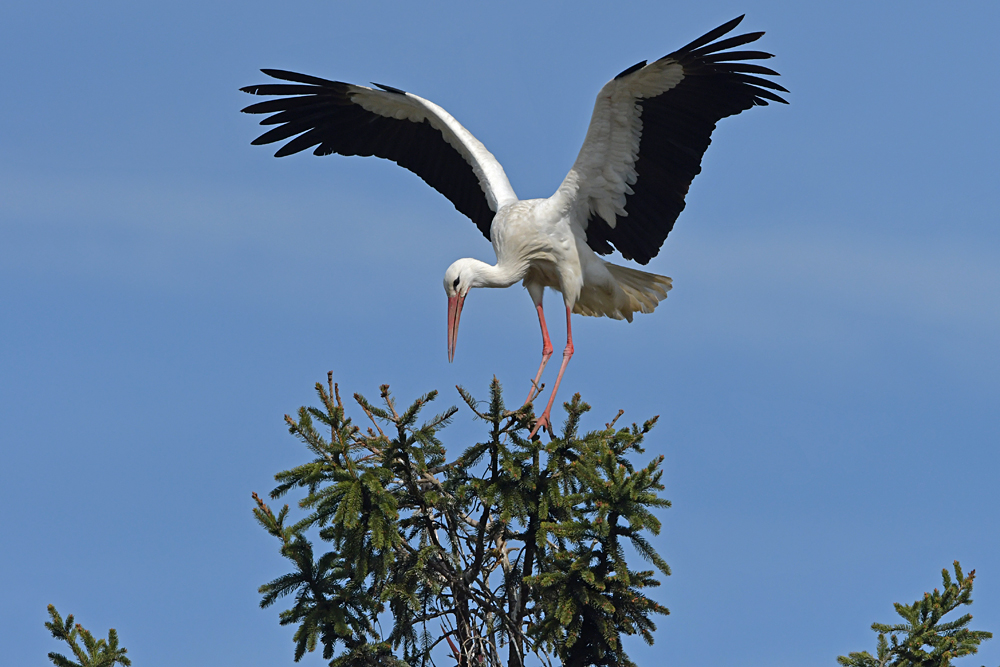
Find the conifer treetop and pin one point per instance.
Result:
(510, 548)
(93, 653)
(923, 640)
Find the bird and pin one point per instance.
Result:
(649, 129)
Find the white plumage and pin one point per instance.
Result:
(650, 127)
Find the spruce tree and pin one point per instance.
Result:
(93, 653)
(923, 640)
(511, 546)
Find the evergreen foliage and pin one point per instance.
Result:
(923, 641)
(93, 653)
(513, 544)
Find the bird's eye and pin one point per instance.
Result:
(454, 285)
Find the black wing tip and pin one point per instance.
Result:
(752, 36)
(731, 24)
(762, 96)
(281, 152)
(723, 29)
(294, 77)
(634, 68)
(297, 77)
(721, 56)
(389, 89)
(274, 74)
(731, 56)
(759, 82)
(710, 36)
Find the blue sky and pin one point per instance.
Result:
(826, 368)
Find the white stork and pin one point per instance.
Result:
(650, 127)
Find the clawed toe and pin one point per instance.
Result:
(543, 422)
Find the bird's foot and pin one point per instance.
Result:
(543, 422)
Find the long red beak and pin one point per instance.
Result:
(455, 304)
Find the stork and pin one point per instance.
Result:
(650, 126)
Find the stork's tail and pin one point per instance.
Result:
(640, 292)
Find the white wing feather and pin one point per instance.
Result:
(600, 178)
(492, 178)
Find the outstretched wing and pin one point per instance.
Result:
(650, 127)
(415, 133)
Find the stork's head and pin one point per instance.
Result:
(458, 280)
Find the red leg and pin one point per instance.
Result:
(545, 420)
(546, 353)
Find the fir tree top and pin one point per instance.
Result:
(511, 545)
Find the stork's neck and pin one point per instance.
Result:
(501, 275)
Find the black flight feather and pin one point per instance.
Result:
(323, 115)
(676, 131)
